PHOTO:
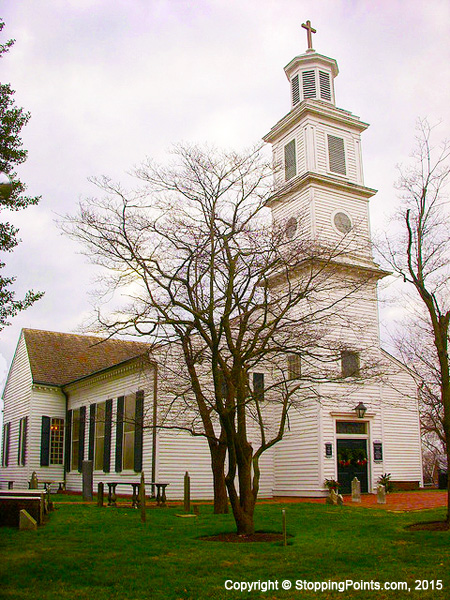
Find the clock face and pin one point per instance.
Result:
(291, 228)
(342, 222)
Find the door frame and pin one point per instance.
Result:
(351, 417)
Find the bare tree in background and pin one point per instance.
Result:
(222, 293)
(420, 253)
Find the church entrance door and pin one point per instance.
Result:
(352, 462)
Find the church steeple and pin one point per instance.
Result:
(311, 75)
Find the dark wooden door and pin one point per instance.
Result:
(352, 451)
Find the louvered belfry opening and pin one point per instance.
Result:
(290, 162)
(336, 154)
(295, 86)
(309, 84)
(325, 87)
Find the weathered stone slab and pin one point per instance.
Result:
(356, 490)
(381, 494)
(10, 507)
(26, 521)
(87, 471)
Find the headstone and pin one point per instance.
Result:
(100, 493)
(381, 494)
(87, 473)
(26, 521)
(187, 493)
(340, 500)
(34, 481)
(283, 512)
(356, 490)
(196, 509)
(332, 498)
(142, 498)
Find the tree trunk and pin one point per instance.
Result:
(243, 506)
(218, 455)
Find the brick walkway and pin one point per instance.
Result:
(396, 501)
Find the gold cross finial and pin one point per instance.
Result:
(309, 31)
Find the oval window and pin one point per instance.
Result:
(291, 228)
(342, 222)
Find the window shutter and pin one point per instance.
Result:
(336, 154)
(290, 161)
(82, 437)
(23, 456)
(45, 442)
(6, 440)
(309, 84)
(295, 86)
(119, 433)
(325, 87)
(68, 444)
(91, 431)
(258, 386)
(108, 430)
(138, 431)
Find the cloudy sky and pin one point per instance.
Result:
(109, 83)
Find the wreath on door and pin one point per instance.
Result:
(347, 457)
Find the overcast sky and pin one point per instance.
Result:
(109, 83)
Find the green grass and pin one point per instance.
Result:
(88, 553)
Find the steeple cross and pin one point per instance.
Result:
(310, 31)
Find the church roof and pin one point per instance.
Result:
(60, 358)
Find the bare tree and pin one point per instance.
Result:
(420, 253)
(214, 282)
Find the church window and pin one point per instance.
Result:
(290, 161)
(294, 365)
(6, 441)
(342, 222)
(325, 88)
(99, 452)
(336, 155)
(129, 432)
(56, 441)
(23, 426)
(75, 439)
(350, 363)
(295, 90)
(351, 427)
(309, 84)
(258, 386)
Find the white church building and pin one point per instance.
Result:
(70, 398)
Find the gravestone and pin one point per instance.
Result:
(187, 493)
(340, 500)
(100, 493)
(34, 481)
(87, 472)
(26, 521)
(356, 490)
(381, 494)
(196, 509)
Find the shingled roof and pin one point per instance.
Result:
(60, 358)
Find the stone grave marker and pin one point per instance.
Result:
(87, 470)
(381, 494)
(34, 481)
(26, 521)
(356, 490)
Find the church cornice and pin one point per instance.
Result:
(319, 109)
(324, 181)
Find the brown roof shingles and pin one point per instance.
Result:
(60, 358)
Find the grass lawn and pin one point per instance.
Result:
(89, 553)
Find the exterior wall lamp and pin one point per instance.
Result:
(360, 410)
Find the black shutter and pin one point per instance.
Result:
(91, 432)
(6, 440)
(138, 431)
(45, 442)
(108, 429)
(24, 441)
(119, 433)
(81, 437)
(68, 443)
